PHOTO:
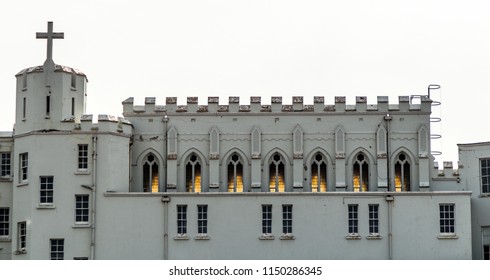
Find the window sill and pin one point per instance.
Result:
(73, 88)
(82, 172)
(20, 252)
(181, 237)
(266, 237)
(447, 236)
(353, 236)
(22, 184)
(46, 206)
(5, 179)
(287, 236)
(5, 239)
(374, 237)
(484, 195)
(81, 226)
(202, 237)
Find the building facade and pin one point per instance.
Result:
(234, 181)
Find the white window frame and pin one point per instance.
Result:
(266, 219)
(6, 165)
(287, 219)
(447, 219)
(82, 158)
(46, 190)
(23, 168)
(82, 212)
(202, 219)
(485, 175)
(182, 220)
(373, 219)
(353, 219)
(4, 222)
(21, 236)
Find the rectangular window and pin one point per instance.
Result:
(353, 218)
(48, 105)
(373, 219)
(486, 242)
(82, 156)
(57, 249)
(446, 218)
(4, 165)
(181, 219)
(486, 252)
(485, 175)
(287, 219)
(21, 236)
(266, 219)
(4, 222)
(23, 163)
(46, 190)
(81, 208)
(73, 106)
(202, 219)
(24, 108)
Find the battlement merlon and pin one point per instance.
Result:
(276, 105)
(105, 123)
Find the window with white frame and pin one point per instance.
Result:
(21, 236)
(266, 219)
(353, 219)
(202, 219)
(5, 164)
(485, 175)
(446, 219)
(373, 219)
(83, 157)
(23, 166)
(82, 208)
(57, 248)
(287, 219)
(4, 222)
(181, 219)
(46, 190)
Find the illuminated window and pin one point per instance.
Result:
(4, 222)
(5, 165)
(360, 174)
(446, 218)
(82, 156)
(46, 190)
(485, 175)
(402, 173)
(81, 208)
(235, 174)
(57, 250)
(202, 219)
(373, 219)
(319, 174)
(150, 174)
(287, 219)
(276, 174)
(353, 218)
(181, 219)
(266, 219)
(193, 174)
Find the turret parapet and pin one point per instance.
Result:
(276, 106)
(106, 123)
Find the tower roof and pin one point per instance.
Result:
(57, 68)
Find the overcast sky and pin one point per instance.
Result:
(268, 48)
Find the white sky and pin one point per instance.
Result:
(268, 48)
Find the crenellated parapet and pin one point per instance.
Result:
(103, 123)
(276, 105)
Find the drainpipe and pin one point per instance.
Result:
(165, 200)
(389, 198)
(94, 193)
(164, 163)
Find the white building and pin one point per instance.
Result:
(231, 181)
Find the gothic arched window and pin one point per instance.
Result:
(150, 174)
(402, 173)
(319, 173)
(235, 174)
(360, 173)
(276, 174)
(193, 174)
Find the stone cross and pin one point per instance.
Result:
(50, 35)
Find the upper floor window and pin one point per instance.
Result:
(5, 164)
(319, 174)
(81, 208)
(82, 156)
(23, 166)
(360, 174)
(276, 174)
(446, 218)
(4, 222)
(193, 174)
(235, 174)
(485, 175)
(402, 173)
(46, 190)
(150, 174)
